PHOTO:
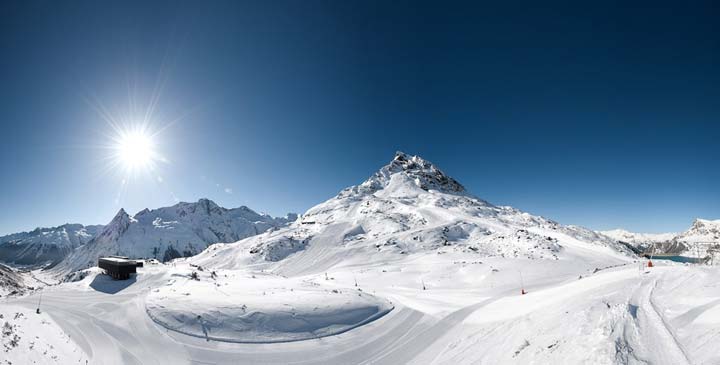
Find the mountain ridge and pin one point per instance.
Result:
(408, 206)
(694, 241)
(165, 233)
(45, 246)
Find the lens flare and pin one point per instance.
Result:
(134, 150)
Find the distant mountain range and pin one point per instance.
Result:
(702, 235)
(408, 206)
(11, 282)
(45, 246)
(181, 230)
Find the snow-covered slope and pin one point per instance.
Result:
(644, 241)
(257, 308)
(694, 242)
(638, 238)
(701, 231)
(11, 282)
(45, 246)
(166, 233)
(405, 268)
(27, 337)
(408, 207)
(701, 240)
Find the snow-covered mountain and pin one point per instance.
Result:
(409, 206)
(643, 241)
(702, 231)
(702, 239)
(11, 282)
(166, 233)
(694, 242)
(408, 259)
(45, 246)
(638, 238)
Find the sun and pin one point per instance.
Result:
(135, 150)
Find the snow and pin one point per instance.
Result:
(697, 241)
(407, 267)
(118, 260)
(638, 238)
(11, 281)
(703, 232)
(166, 233)
(391, 215)
(31, 338)
(470, 312)
(620, 316)
(44, 246)
(255, 308)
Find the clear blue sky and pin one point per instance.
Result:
(603, 115)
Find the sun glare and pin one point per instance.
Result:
(135, 150)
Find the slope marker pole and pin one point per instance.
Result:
(39, 302)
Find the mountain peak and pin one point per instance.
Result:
(118, 225)
(206, 201)
(401, 155)
(705, 222)
(704, 226)
(209, 207)
(165, 233)
(120, 214)
(141, 213)
(426, 175)
(406, 170)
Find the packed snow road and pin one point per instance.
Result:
(615, 316)
(114, 329)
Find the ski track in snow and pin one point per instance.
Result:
(451, 265)
(320, 255)
(115, 329)
(654, 326)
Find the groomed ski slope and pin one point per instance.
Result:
(614, 316)
(27, 337)
(406, 267)
(260, 308)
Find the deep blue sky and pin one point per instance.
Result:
(603, 115)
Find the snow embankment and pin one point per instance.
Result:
(688, 298)
(251, 308)
(27, 337)
(669, 314)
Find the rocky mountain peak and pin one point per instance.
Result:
(118, 225)
(121, 216)
(425, 174)
(704, 227)
(141, 213)
(417, 171)
(208, 206)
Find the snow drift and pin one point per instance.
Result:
(237, 307)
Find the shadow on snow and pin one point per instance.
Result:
(106, 284)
